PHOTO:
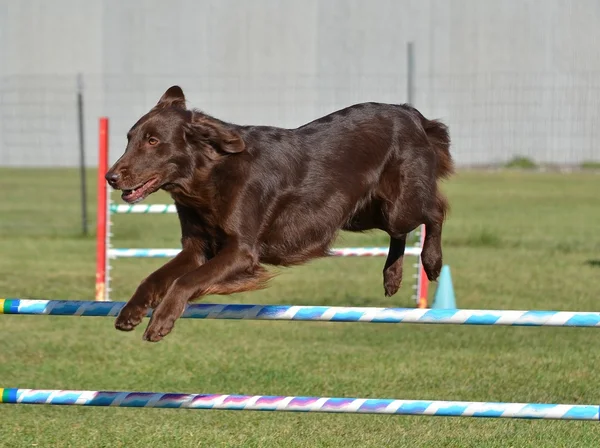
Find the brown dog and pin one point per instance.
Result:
(247, 195)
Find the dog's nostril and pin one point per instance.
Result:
(112, 177)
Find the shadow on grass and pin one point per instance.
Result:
(593, 263)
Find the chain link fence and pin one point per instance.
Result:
(550, 118)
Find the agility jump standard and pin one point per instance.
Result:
(300, 404)
(318, 313)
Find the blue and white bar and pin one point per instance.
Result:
(319, 313)
(142, 253)
(335, 252)
(300, 404)
(143, 208)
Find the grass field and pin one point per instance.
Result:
(514, 241)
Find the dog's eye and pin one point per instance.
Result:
(153, 141)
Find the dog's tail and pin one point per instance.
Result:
(438, 135)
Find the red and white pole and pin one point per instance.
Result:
(423, 285)
(102, 208)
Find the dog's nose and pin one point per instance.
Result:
(112, 178)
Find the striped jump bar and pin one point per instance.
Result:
(300, 404)
(335, 252)
(319, 313)
(143, 208)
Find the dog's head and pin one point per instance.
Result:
(167, 145)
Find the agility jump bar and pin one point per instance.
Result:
(300, 404)
(143, 208)
(318, 313)
(335, 252)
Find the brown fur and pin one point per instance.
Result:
(253, 195)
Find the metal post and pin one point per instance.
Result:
(410, 68)
(84, 217)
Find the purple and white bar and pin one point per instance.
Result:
(319, 313)
(335, 252)
(301, 404)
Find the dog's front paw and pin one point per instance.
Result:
(158, 328)
(130, 317)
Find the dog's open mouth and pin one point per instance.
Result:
(140, 192)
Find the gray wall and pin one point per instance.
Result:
(517, 77)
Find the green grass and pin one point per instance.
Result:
(514, 240)
(521, 162)
(590, 165)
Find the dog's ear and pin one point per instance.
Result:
(220, 139)
(172, 97)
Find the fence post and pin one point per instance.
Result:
(422, 281)
(82, 174)
(410, 73)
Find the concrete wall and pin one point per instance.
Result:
(512, 77)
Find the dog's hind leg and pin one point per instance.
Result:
(431, 257)
(392, 272)
(408, 194)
